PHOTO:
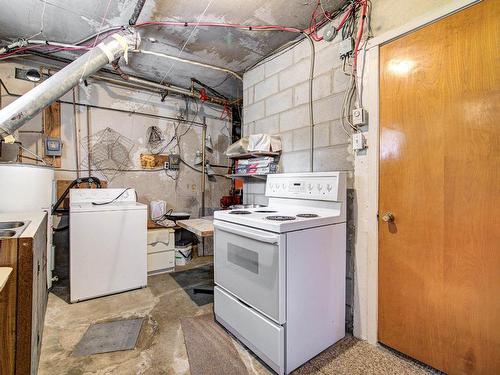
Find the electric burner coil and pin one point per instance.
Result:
(280, 218)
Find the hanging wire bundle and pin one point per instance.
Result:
(108, 153)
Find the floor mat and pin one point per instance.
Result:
(196, 277)
(210, 348)
(109, 337)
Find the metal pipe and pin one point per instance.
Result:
(203, 164)
(203, 175)
(88, 140)
(144, 84)
(152, 115)
(137, 12)
(77, 134)
(175, 58)
(27, 106)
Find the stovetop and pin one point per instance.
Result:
(297, 201)
(281, 219)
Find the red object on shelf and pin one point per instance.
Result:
(230, 200)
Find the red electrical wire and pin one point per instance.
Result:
(314, 25)
(346, 15)
(364, 5)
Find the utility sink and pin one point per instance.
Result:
(11, 224)
(7, 233)
(12, 229)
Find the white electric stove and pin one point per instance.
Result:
(280, 269)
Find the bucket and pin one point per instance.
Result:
(183, 254)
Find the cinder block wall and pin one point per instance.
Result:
(276, 101)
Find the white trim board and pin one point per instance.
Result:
(366, 178)
(422, 21)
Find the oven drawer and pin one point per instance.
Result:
(260, 334)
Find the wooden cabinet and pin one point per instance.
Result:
(23, 301)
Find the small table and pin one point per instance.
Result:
(203, 227)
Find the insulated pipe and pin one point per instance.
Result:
(27, 106)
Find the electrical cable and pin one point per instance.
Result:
(33, 154)
(199, 171)
(114, 199)
(181, 50)
(311, 104)
(41, 21)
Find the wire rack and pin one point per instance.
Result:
(109, 153)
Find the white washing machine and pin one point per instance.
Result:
(108, 242)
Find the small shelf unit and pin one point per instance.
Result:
(256, 154)
(248, 175)
(249, 155)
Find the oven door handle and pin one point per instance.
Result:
(248, 232)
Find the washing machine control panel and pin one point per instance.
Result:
(102, 195)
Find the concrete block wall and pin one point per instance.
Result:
(276, 101)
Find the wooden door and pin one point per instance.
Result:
(439, 260)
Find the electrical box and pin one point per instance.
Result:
(346, 47)
(53, 146)
(330, 32)
(173, 162)
(359, 116)
(358, 141)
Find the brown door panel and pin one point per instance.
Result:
(439, 259)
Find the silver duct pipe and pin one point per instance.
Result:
(27, 106)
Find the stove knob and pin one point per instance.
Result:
(329, 187)
(309, 187)
(284, 186)
(320, 187)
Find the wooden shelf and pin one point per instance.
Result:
(248, 175)
(255, 154)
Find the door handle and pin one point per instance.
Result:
(388, 217)
(248, 232)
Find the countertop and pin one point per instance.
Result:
(4, 276)
(35, 219)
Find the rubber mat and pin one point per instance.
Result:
(109, 337)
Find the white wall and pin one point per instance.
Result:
(183, 194)
(291, 124)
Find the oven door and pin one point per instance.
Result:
(250, 263)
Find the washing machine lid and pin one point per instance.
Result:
(115, 206)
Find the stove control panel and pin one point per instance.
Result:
(314, 186)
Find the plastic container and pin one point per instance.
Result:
(183, 253)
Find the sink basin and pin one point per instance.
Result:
(11, 224)
(6, 233)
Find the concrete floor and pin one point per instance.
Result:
(161, 349)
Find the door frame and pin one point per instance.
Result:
(366, 175)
